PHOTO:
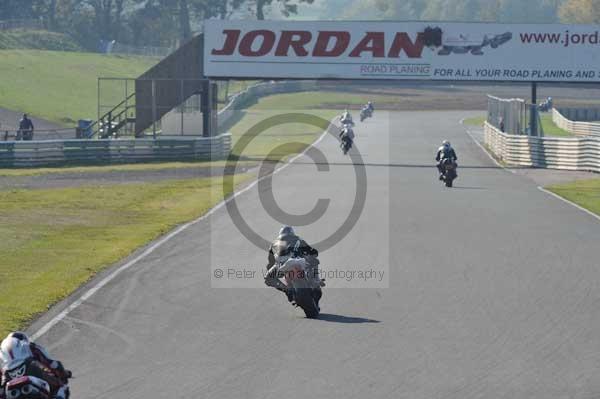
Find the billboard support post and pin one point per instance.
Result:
(533, 112)
(205, 103)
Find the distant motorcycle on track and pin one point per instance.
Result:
(346, 138)
(365, 113)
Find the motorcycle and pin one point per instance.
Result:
(27, 387)
(346, 144)
(346, 138)
(365, 113)
(346, 122)
(303, 285)
(448, 171)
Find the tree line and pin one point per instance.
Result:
(506, 11)
(161, 23)
(164, 23)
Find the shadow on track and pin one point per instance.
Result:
(336, 318)
(469, 188)
(391, 165)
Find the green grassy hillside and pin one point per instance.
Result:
(62, 86)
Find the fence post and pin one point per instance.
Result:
(154, 109)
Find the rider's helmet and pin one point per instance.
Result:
(369, 103)
(286, 231)
(20, 335)
(446, 144)
(14, 353)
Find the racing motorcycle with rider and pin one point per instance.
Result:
(367, 111)
(28, 371)
(446, 163)
(290, 258)
(346, 136)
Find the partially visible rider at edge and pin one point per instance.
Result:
(445, 152)
(21, 357)
(287, 238)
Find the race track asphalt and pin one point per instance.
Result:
(489, 289)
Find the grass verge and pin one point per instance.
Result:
(475, 121)
(585, 193)
(54, 240)
(136, 167)
(551, 129)
(62, 86)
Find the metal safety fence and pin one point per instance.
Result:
(569, 153)
(66, 152)
(577, 128)
(508, 115)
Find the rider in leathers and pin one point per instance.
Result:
(346, 118)
(288, 239)
(347, 135)
(444, 152)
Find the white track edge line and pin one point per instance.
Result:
(92, 290)
(542, 189)
(569, 202)
(485, 151)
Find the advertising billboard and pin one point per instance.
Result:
(402, 50)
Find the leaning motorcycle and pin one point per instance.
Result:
(448, 171)
(346, 138)
(346, 144)
(365, 113)
(300, 278)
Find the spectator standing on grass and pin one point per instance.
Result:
(25, 129)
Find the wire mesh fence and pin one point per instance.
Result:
(26, 135)
(508, 115)
(141, 107)
(146, 51)
(513, 116)
(21, 24)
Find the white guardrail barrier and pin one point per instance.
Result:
(239, 100)
(65, 152)
(575, 127)
(569, 153)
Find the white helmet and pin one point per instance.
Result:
(14, 352)
(446, 143)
